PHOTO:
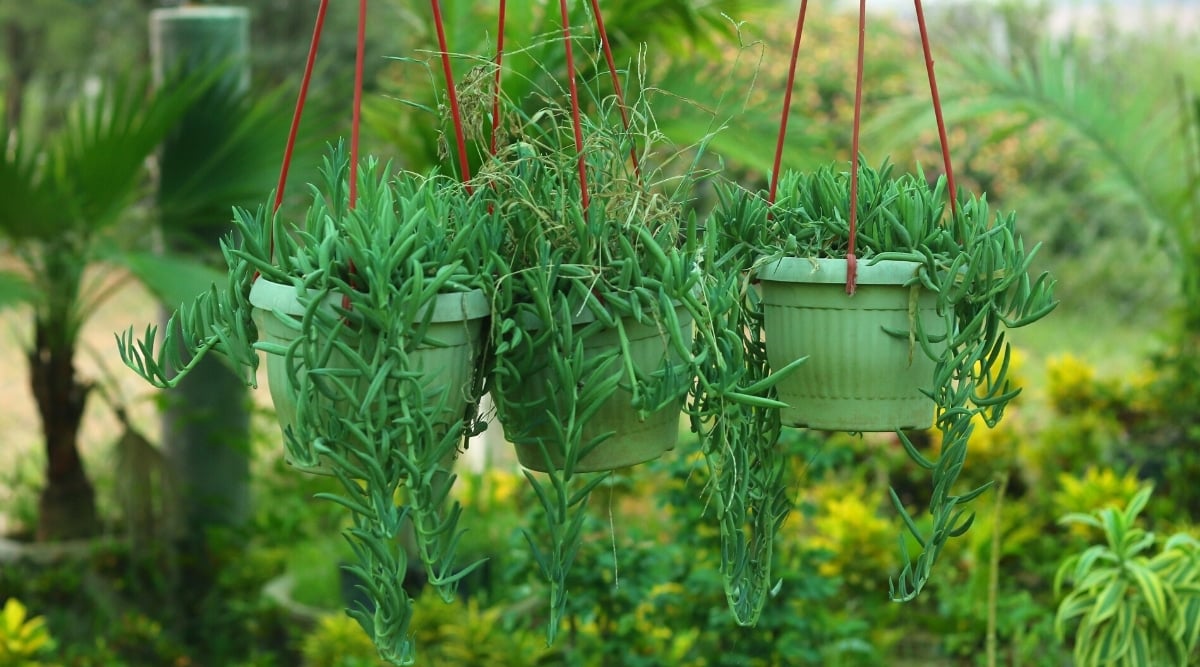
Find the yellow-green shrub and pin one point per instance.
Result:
(22, 638)
(339, 641)
(1097, 489)
(848, 525)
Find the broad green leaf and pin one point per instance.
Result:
(15, 289)
(1113, 638)
(1078, 517)
(1139, 647)
(1191, 621)
(1182, 542)
(1110, 599)
(1153, 593)
(1086, 646)
(1137, 504)
(1074, 606)
(1176, 652)
(1167, 562)
(1115, 529)
(1082, 567)
(1137, 541)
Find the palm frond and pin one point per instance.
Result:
(98, 160)
(1126, 136)
(30, 204)
(229, 156)
(14, 289)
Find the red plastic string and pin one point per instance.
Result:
(499, 63)
(296, 115)
(300, 99)
(453, 94)
(356, 116)
(355, 122)
(787, 102)
(576, 124)
(616, 80)
(937, 106)
(851, 259)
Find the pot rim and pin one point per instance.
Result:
(827, 271)
(448, 307)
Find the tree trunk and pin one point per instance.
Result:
(67, 507)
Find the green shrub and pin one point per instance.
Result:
(1129, 607)
(23, 638)
(338, 641)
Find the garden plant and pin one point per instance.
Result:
(570, 256)
(1130, 607)
(371, 318)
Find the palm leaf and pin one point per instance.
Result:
(14, 289)
(29, 203)
(173, 280)
(230, 156)
(99, 157)
(1127, 137)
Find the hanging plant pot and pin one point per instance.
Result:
(632, 439)
(859, 377)
(447, 359)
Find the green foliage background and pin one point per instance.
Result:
(1079, 136)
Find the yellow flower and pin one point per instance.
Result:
(1139, 391)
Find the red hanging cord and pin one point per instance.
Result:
(355, 122)
(616, 80)
(453, 94)
(296, 115)
(937, 106)
(499, 64)
(787, 102)
(576, 124)
(300, 99)
(851, 259)
(356, 114)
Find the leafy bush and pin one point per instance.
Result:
(1098, 488)
(338, 641)
(1129, 607)
(22, 638)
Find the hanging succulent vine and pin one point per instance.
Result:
(734, 413)
(568, 275)
(979, 270)
(366, 410)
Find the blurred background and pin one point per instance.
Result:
(143, 529)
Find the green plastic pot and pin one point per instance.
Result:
(449, 366)
(858, 377)
(632, 439)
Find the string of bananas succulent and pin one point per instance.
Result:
(367, 402)
(975, 264)
(578, 290)
(732, 407)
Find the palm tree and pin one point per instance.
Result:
(73, 223)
